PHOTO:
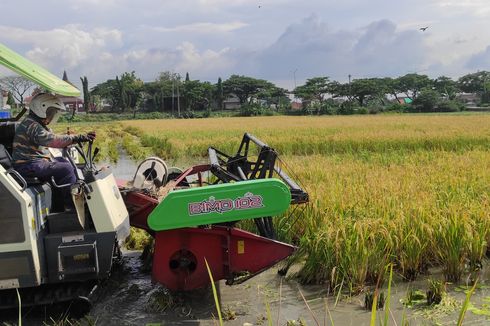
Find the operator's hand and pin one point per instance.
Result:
(91, 135)
(85, 137)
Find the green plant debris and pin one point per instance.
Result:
(434, 313)
(482, 309)
(67, 321)
(466, 288)
(159, 300)
(260, 320)
(228, 314)
(414, 298)
(138, 239)
(297, 322)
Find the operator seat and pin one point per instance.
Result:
(5, 159)
(6, 162)
(7, 133)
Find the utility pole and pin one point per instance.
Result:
(173, 85)
(178, 100)
(294, 80)
(294, 77)
(350, 90)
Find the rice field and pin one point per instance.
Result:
(317, 135)
(413, 190)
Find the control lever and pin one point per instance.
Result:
(89, 155)
(59, 186)
(96, 152)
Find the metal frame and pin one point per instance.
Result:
(237, 168)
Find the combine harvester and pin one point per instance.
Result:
(51, 255)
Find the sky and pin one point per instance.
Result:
(283, 41)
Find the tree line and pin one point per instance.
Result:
(177, 96)
(422, 93)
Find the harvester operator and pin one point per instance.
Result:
(33, 136)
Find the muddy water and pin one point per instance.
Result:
(249, 302)
(129, 299)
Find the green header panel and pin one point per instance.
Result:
(220, 203)
(35, 73)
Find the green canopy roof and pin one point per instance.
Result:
(35, 73)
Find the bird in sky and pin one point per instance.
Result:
(424, 28)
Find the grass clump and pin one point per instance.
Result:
(450, 247)
(435, 292)
(138, 239)
(134, 148)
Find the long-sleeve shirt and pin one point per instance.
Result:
(32, 139)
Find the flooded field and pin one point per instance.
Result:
(130, 298)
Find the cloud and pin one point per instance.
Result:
(480, 60)
(314, 49)
(101, 54)
(236, 3)
(204, 28)
(472, 7)
(67, 46)
(222, 2)
(304, 49)
(79, 4)
(206, 64)
(205, 61)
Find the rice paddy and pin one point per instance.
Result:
(358, 135)
(412, 190)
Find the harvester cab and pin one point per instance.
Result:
(46, 252)
(52, 255)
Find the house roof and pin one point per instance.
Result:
(296, 105)
(69, 100)
(232, 99)
(65, 78)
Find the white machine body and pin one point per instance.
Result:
(18, 246)
(107, 207)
